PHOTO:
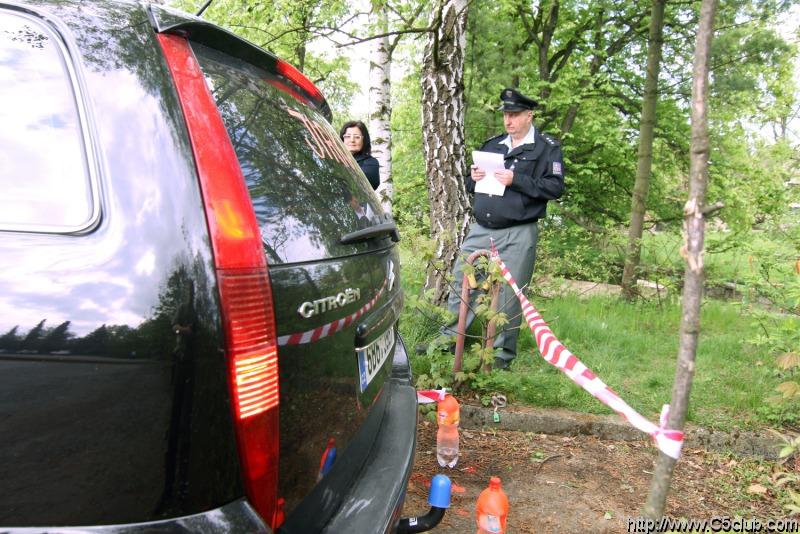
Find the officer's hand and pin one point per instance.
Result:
(505, 177)
(478, 173)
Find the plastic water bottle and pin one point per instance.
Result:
(492, 509)
(447, 445)
(448, 414)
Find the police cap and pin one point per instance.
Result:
(513, 100)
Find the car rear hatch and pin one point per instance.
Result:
(333, 268)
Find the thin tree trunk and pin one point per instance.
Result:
(380, 112)
(694, 225)
(645, 163)
(443, 139)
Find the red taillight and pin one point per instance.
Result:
(248, 315)
(252, 348)
(245, 295)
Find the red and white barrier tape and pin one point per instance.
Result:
(325, 330)
(427, 396)
(551, 349)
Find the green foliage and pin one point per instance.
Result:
(771, 272)
(771, 281)
(410, 205)
(789, 480)
(568, 250)
(422, 320)
(781, 336)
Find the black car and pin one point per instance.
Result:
(199, 290)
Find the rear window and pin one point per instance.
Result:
(306, 189)
(44, 173)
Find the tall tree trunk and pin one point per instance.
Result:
(380, 102)
(443, 138)
(694, 226)
(594, 68)
(645, 163)
(548, 31)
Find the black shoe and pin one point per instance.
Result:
(501, 364)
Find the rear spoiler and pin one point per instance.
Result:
(167, 20)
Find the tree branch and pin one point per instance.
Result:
(357, 40)
(408, 23)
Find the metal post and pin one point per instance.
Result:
(467, 283)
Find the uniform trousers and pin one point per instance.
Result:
(517, 248)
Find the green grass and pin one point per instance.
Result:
(633, 348)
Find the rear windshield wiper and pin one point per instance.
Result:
(372, 232)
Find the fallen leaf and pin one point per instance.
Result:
(607, 516)
(455, 488)
(789, 360)
(462, 512)
(789, 389)
(757, 489)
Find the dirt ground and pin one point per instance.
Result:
(583, 484)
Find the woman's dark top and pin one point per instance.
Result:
(370, 167)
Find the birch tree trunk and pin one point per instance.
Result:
(694, 227)
(443, 138)
(645, 163)
(380, 107)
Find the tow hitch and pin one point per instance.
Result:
(439, 499)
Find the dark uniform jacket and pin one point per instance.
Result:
(370, 168)
(538, 177)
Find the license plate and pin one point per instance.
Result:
(372, 357)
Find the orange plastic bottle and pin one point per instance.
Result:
(492, 509)
(448, 414)
(448, 410)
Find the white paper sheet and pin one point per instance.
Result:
(490, 162)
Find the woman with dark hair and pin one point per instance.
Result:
(356, 139)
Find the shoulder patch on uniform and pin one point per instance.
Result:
(551, 140)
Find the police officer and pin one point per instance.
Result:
(533, 175)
